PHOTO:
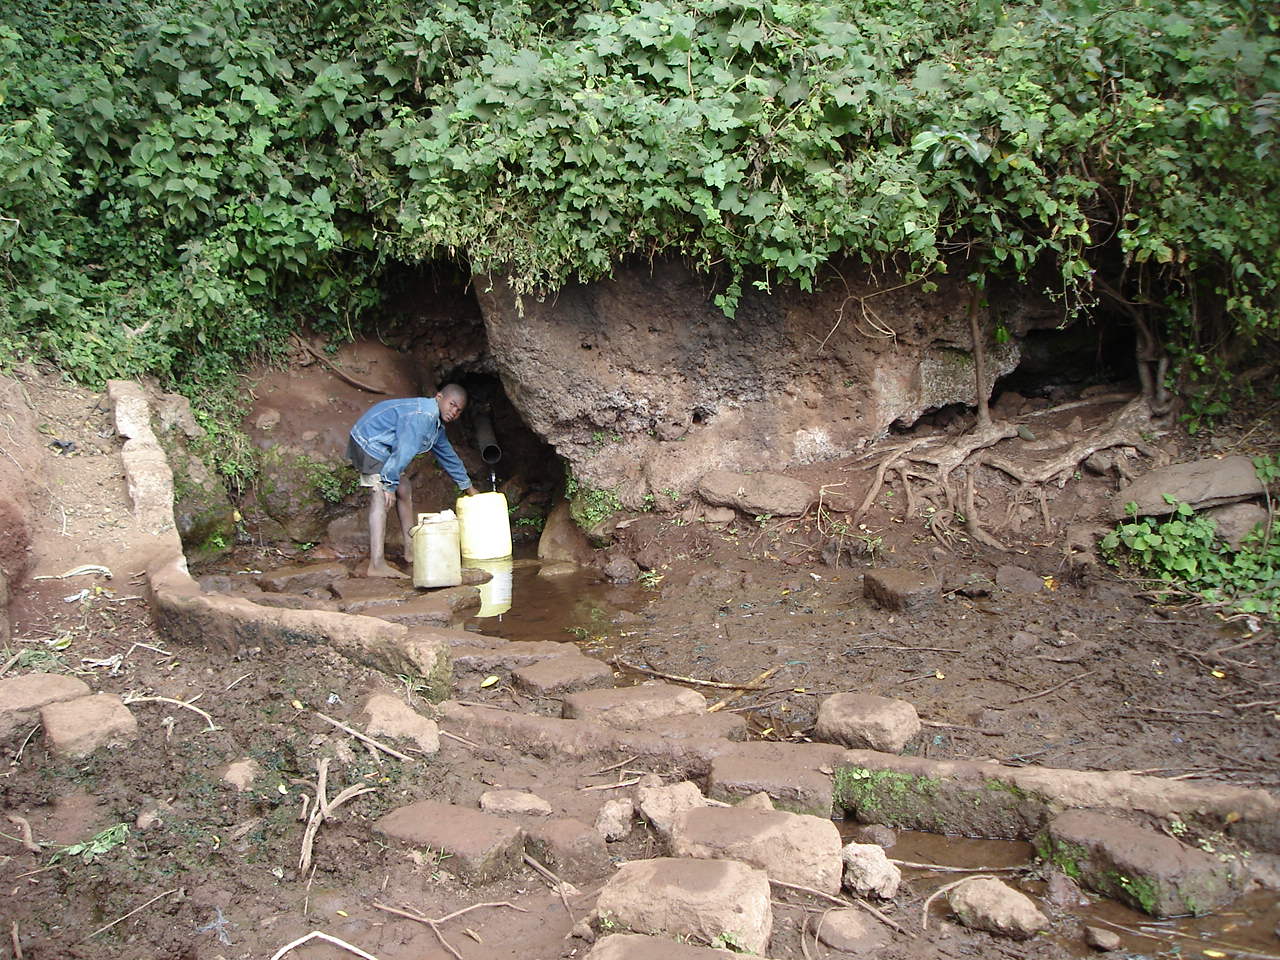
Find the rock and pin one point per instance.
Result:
(356, 594)
(504, 657)
(633, 706)
(76, 728)
(987, 904)
(1101, 939)
(638, 946)
(661, 805)
(904, 591)
(476, 847)
(621, 570)
(757, 801)
(868, 872)
(558, 569)
(1061, 891)
(242, 773)
(568, 848)
(790, 847)
(152, 814)
(791, 784)
(21, 697)
(1235, 521)
(877, 833)
(719, 515)
(562, 541)
(852, 931)
(514, 802)
(613, 822)
(698, 899)
(861, 720)
(1202, 483)
(560, 675)
(434, 608)
(1139, 866)
(756, 494)
(388, 716)
(1018, 580)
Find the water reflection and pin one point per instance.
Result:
(496, 592)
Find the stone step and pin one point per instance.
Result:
(76, 728)
(473, 846)
(295, 579)
(636, 706)
(638, 946)
(22, 697)
(791, 782)
(556, 676)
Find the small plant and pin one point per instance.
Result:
(1183, 553)
(579, 633)
(728, 940)
(588, 505)
(93, 848)
(650, 579)
(531, 523)
(763, 518)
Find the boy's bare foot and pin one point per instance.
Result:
(384, 569)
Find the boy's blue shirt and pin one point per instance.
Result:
(396, 431)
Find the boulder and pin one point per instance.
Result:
(562, 540)
(476, 847)
(569, 848)
(1018, 579)
(706, 901)
(1139, 866)
(76, 728)
(852, 931)
(1201, 483)
(790, 847)
(661, 805)
(1235, 521)
(994, 906)
(514, 803)
(635, 706)
(756, 494)
(388, 716)
(613, 822)
(864, 721)
(299, 577)
(868, 872)
(22, 697)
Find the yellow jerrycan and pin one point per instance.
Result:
(437, 561)
(485, 527)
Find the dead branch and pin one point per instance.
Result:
(856, 901)
(1056, 686)
(211, 728)
(159, 896)
(358, 384)
(941, 868)
(618, 661)
(562, 887)
(435, 924)
(323, 809)
(364, 738)
(317, 935)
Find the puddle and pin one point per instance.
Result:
(1245, 929)
(577, 607)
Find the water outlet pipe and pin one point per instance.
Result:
(482, 420)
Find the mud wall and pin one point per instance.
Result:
(642, 384)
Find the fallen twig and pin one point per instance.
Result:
(358, 384)
(761, 678)
(17, 945)
(363, 737)
(924, 910)
(611, 786)
(454, 736)
(856, 901)
(323, 807)
(679, 679)
(317, 935)
(83, 570)
(615, 766)
(960, 726)
(1056, 686)
(562, 887)
(941, 868)
(159, 896)
(243, 676)
(9, 663)
(129, 700)
(435, 924)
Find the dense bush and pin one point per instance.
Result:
(182, 183)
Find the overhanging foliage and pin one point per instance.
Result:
(181, 183)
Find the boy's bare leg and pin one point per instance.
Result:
(404, 508)
(378, 566)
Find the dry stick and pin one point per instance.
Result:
(1158, 937)
(434, 924)
(673, 676)
(960, 726)
(890, 646)
(844, 903)
(1056, 686)
(611, 786)
(160, 896)
(9, 663)
(17, 946)
(940, 868)
(454, 736)
(324, 807)
(17, 757)
(237, 680)
(740, 693)
(924, 911)
(561, 887)
(328, 363)
(317, 935)
(363, 737)
(615, 766)
(213, 727)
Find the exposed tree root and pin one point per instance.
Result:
(938, 500)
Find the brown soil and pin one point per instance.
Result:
(1084, 675)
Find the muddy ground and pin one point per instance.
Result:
(1081, 673)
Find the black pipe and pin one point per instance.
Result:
(482, 420)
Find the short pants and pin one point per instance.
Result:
(370, 470)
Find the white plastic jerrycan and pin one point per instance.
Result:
(437, 561)
(485, 526)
